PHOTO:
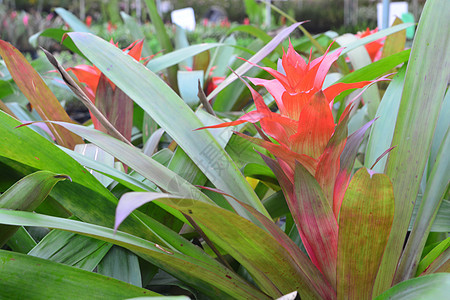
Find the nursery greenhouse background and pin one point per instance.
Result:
(241, 149)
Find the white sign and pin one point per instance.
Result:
(396, 9)
(184, 18)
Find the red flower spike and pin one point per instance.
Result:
(373, 48)
(315, 127)
(90, 75)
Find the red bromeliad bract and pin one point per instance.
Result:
(305, 123)
(304, 132)
(90, 75)
(116, 106)
(373, 48)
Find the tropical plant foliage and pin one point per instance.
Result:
(332, 184)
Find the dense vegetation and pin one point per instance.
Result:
(231, 162)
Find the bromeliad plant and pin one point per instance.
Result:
(352, 225)
(308, 149)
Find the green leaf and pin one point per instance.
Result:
(27, 194)
(38, 93)
(71, 249)
(138, 83)
(435, 191)
(72, 20)
(26, 151)
(19, 270)
(177, 56)
(123, 178)
(121, 264)
(6, 89)
(136, 31)
(433, 255)
(163, 38)
(21, 241)
(424, 89)
(371, 72)
(442, 126)
(272, 267)
(365, 220)
(380, 137)
(57, 34)
(210, 277)
(137, 160)
(434, 286)
(440, 265)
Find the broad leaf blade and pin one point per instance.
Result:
(38, 93)
(365, 221)
(19, 270)
(27, 194)
(425, 85)
(138, 83)
(315, 219)
(266, 260)
(121, 264)
(383, 130)
(85, 197)
(72, 20)
(210, 277)
(435, 191)
(434, 286)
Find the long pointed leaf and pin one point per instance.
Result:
(267, 261)
(381, 134)
(426, 81)
(38, 93)
(310, 273)
(317, 221)
(347, 160)
(27, 194)
(437, 186)
(138, 83)
(210, 277)
(140, 162)
(85, 196)
(435, 286)
(60, 281)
